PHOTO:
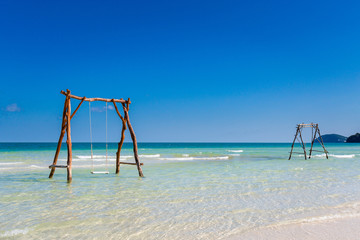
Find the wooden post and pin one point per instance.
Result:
(68, 139)
(322, 142)
(292, 146)
(72, 115)
(313, 136)
(62, 133)
(133, 137)
(117, 171)
(302, 143)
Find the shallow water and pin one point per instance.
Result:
(190, 190)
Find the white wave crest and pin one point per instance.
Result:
(23, 167)
(150, 156)
(3, 169)
(90, 166)
(10, 163)
(89, 156)
(36, 166)
(336, 156)
(195, 158)
(330, 217)
(14, 232)
(318, 219)
(111, 158)
(236, 151)
(97, 158)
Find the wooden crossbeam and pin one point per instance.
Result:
(129, 163)
(307, 125)
(96, 99)
(58, 166)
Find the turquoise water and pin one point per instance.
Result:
(190, 190)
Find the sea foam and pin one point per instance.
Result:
(94, 156)
(236, 151)
(10, 163)
(195, 158)
(14, 232)
(336, 156)
(150, 155)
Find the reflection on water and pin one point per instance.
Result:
(190, 191)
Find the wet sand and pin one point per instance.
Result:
(327, 229)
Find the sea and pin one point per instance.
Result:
(190, 190)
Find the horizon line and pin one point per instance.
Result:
(162, 142)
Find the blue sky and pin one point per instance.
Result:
(215, 71)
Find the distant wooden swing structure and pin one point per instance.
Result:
(315, 132)
(65, 128)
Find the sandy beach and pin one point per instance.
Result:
(333, 228)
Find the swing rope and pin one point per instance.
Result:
(106, 143)
(91, 144)
(106, 138)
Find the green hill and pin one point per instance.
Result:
(354, 138)
(333, 138)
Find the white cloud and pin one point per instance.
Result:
(12, 108)
(98, 109)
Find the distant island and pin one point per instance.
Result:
(354, 138)
(336, 138)
(333, 138)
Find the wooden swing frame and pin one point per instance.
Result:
(299, 129)
(65, 128)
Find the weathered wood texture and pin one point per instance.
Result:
(302, 144)
(314, 136)
(62, 133)
(68, 140)
(95, 99)
(66, 128)
(117, 169)
(58, 166)
(292, 146)
(322, 143)
(130, 163)
(133, 137)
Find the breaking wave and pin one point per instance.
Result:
(10, 163)
(150, 156)
(195, 158)
(98, 156)
(235, 151)
(14, 232)
(335, 155)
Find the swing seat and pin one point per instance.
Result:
(99, 172)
